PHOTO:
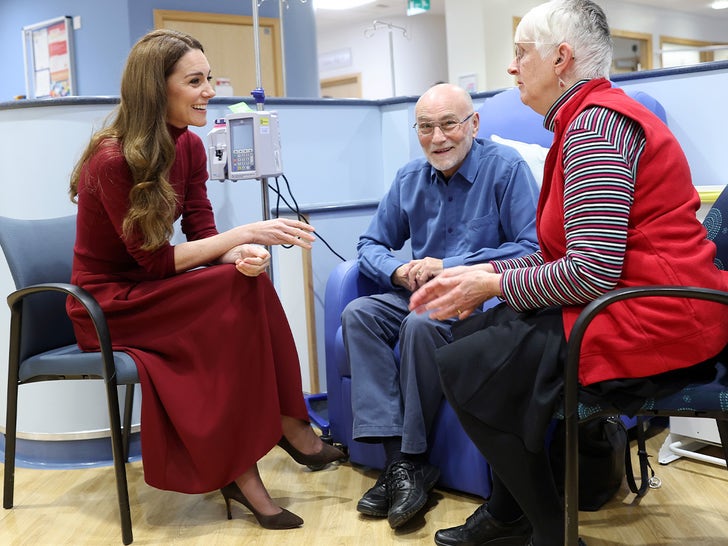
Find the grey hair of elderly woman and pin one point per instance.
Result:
(580, 23)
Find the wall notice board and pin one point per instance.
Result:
(49, 58)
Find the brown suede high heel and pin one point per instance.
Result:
(282, 520)
(317, 461)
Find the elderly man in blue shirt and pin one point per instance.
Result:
(467, 201)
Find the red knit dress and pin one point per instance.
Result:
(216, 358)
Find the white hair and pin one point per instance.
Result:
(581, 24)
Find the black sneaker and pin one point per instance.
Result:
(375, 502)
(408, 485)
(482, 529)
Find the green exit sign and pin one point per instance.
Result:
(417, 6)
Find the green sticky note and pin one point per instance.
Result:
(240, 107)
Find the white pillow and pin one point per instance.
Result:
(533, 154)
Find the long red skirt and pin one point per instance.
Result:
(218, 368)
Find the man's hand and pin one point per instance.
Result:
(456, 293)
(416, 273)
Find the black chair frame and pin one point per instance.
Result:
(571, 389)
(119, 436)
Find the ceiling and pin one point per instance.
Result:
(370, 12)
(390, 8)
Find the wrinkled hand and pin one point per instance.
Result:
(250, 260)
(282, 231)
(416, 273)
(456, 292)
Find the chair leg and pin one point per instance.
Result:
(11, 417)
(571, 482)
(11, 425)
(122, 490)
(126, 430)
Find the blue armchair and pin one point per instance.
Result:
(462, 467)
(505, 115)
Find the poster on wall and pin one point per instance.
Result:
(49, 59)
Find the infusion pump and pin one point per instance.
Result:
(245, 145)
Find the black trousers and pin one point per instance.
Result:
(506, 369)
(503, 377)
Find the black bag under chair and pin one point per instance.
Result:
(604, 460)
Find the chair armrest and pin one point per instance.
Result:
(589, 313)
(344, 285)
(92, 307)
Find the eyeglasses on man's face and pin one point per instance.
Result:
(447, 127)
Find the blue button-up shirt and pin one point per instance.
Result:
(486, 211)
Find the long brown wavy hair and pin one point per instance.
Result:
(139, 125)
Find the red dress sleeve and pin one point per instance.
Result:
(189, 176)
(103, 201)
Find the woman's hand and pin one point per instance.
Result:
(281, 231)
(456, 292)
(226, 247)
(250, 260)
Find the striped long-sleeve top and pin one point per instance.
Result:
(618, 209)
(601, 153)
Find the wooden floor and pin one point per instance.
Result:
(78, 507)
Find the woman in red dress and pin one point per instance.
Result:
(218, 366)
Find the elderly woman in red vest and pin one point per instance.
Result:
(617, 209)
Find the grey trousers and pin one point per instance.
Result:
(393, 397)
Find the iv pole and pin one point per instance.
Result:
(369, 32)
(281, 4)
(283, 45)
(259, 94)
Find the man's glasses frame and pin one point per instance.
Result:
(426, 128)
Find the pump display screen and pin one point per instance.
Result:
(242, 145)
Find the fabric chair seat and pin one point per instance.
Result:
(696, 397)
(69, 359)
(691, 399)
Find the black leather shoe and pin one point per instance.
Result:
(408, 485)
(483, 529)
(375, 501)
